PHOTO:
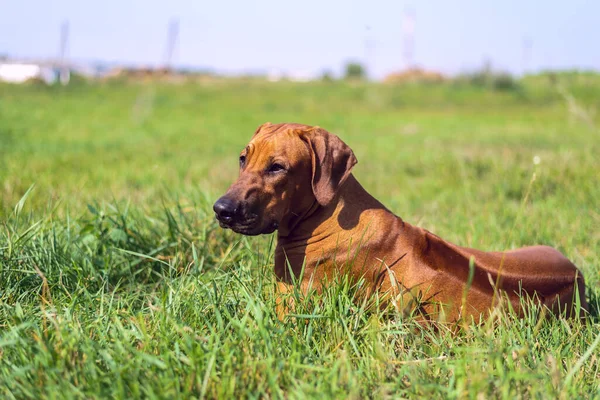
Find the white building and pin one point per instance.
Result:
(22, 72)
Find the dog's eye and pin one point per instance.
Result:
(276, 168)
(242, 161)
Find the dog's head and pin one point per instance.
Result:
(284, 170)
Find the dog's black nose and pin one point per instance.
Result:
(225, 210)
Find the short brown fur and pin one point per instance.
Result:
(329, 224)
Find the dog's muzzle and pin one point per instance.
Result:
(233, 215)
(226, 211)
(239, 218)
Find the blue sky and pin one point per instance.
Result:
(310, 35)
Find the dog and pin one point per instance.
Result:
(296, 179)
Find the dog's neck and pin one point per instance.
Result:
(344, 219)
(351, 201)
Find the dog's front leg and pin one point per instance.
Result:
(284, 301)
(287, 294)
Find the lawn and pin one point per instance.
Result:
(116, 282)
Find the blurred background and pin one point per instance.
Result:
(138, 99)
(378, 40)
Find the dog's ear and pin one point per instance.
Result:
(332, 160)
(260, 128)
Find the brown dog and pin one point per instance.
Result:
(296, 179)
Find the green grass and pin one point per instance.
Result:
(115, 280)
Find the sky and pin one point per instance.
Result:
(311, 36)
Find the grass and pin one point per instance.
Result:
(116, 281)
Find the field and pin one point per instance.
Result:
(116, 282)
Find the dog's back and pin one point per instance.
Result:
(538, 272)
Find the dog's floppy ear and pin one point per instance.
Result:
(332, 160)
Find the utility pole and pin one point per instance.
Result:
(408, 37)
(172, 34)
(369, 50)
(64, 71)
(527, 49)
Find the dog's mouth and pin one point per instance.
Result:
(249, 226)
